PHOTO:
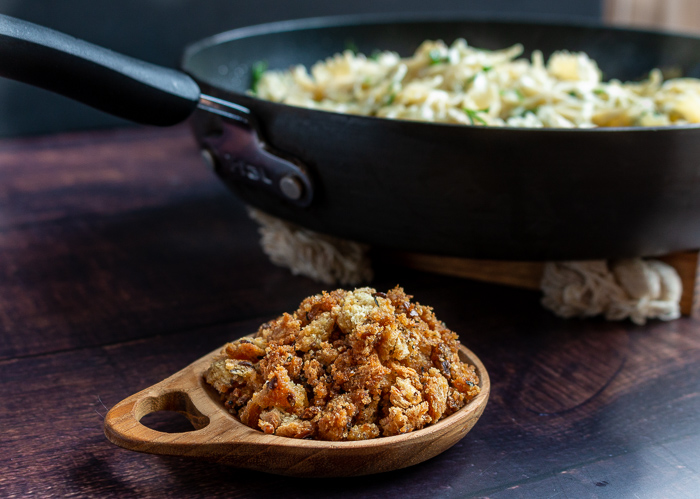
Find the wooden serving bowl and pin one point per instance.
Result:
(218, 436)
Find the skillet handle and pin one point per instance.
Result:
(112, 82)
(238, 153)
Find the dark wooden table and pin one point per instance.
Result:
(122, 260)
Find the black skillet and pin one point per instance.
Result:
(498, 193)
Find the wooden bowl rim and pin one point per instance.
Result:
(442, 425)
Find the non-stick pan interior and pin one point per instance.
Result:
(225, 60)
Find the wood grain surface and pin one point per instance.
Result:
(669, 15)
(122, 260)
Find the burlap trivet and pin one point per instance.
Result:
(633, 288)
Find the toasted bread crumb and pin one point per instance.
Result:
(347, 365)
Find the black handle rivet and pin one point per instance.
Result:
(291, 187)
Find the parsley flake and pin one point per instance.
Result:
(351, 46)
(436, 57)
(256, 72)
(474, 117)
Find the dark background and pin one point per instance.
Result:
(157, 30)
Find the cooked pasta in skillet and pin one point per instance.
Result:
(461, 84)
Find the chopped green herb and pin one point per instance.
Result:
(474, 117)
(486, 69)
(256, 72)
(599, 91)
(390, 99)
(351, 46)
(573, 93)
(436, 57)
(518, 94)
